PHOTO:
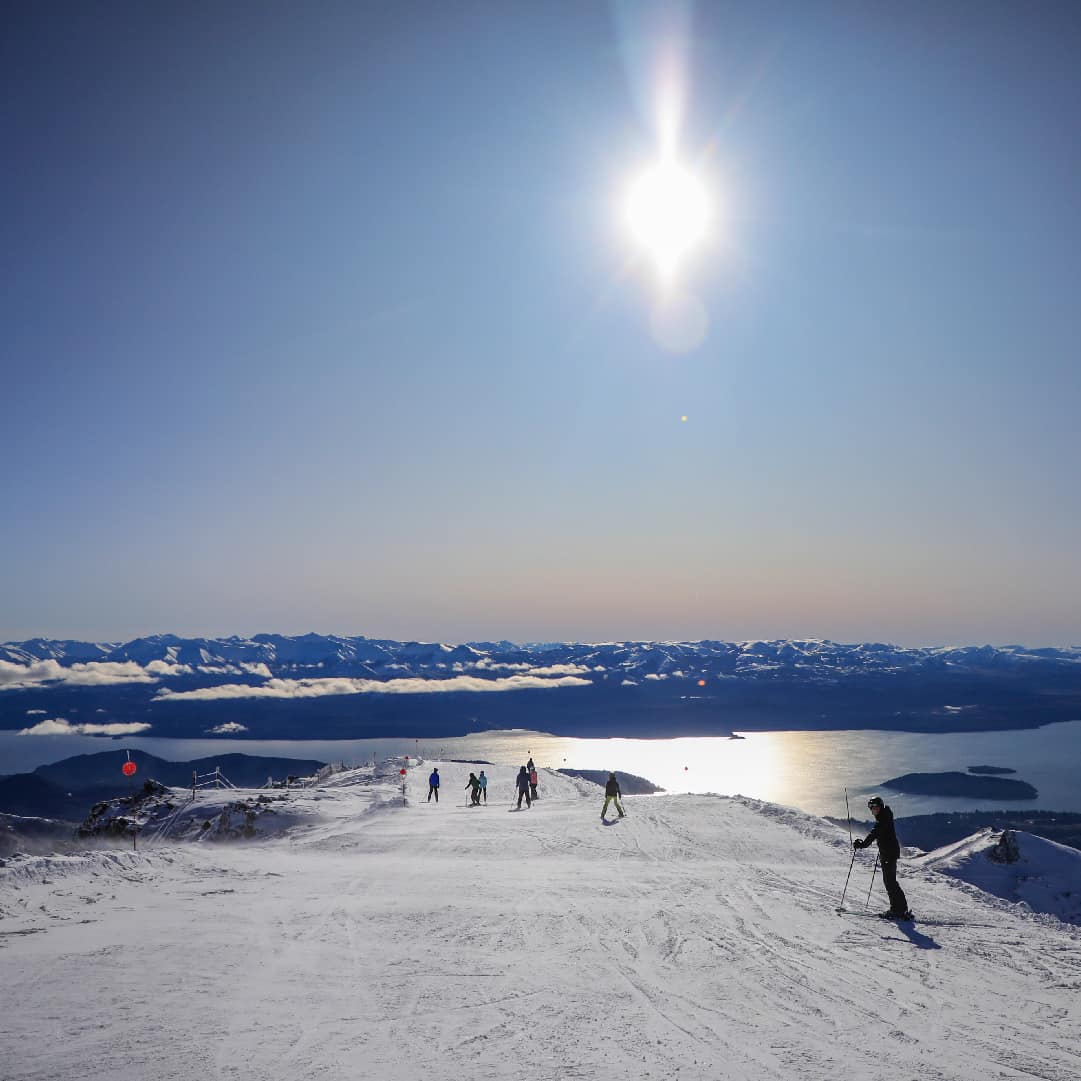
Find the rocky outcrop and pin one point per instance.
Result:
(1007, 850)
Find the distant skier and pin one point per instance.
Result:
(522, 781)
(529, 765)
(612, 794)
(474, 784)
(433, 786)
(483, 785)
(889, 852)
(533, 783)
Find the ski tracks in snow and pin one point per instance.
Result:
(694, 939)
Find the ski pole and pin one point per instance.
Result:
(853, 860)
(873, 873)
(847, 877)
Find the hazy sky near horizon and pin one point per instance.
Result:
(323, 317)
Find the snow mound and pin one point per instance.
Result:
(1017, 867)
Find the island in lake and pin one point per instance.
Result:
(964, 785)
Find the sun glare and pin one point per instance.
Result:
(668, 214)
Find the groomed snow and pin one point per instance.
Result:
(696, 938)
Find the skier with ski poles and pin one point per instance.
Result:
(889, 852)
(433, 786)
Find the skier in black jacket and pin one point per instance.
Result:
(612, 793)
(889, 852)
(522, 784)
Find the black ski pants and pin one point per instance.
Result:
(898, 903)
(523, 792)
(433, 788)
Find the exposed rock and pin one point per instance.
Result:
(1007, 850)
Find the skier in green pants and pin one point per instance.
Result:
(612, 794)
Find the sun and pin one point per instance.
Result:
(667, 211)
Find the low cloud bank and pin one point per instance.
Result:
(58, 726)
(485, 664)
(14, 677)
(317, 688)
(564, 670)
(92, 674)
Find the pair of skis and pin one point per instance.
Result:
(898, 917)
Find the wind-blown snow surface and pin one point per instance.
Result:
(696, 938)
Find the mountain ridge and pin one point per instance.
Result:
(333, 686)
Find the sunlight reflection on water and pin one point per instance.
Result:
(808, 770)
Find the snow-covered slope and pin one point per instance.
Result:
(372, 938)
(1017, 866)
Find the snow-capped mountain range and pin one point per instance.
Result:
(334, 654)
(329, 686)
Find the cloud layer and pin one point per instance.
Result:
(58, 726)
(14, 677)
(92, 674)
(317, 688)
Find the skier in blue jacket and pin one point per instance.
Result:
(483, 785)
(433, 786)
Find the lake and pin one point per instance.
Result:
(807, 770)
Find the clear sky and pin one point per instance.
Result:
(323, 317)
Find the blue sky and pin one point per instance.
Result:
(322, 318)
